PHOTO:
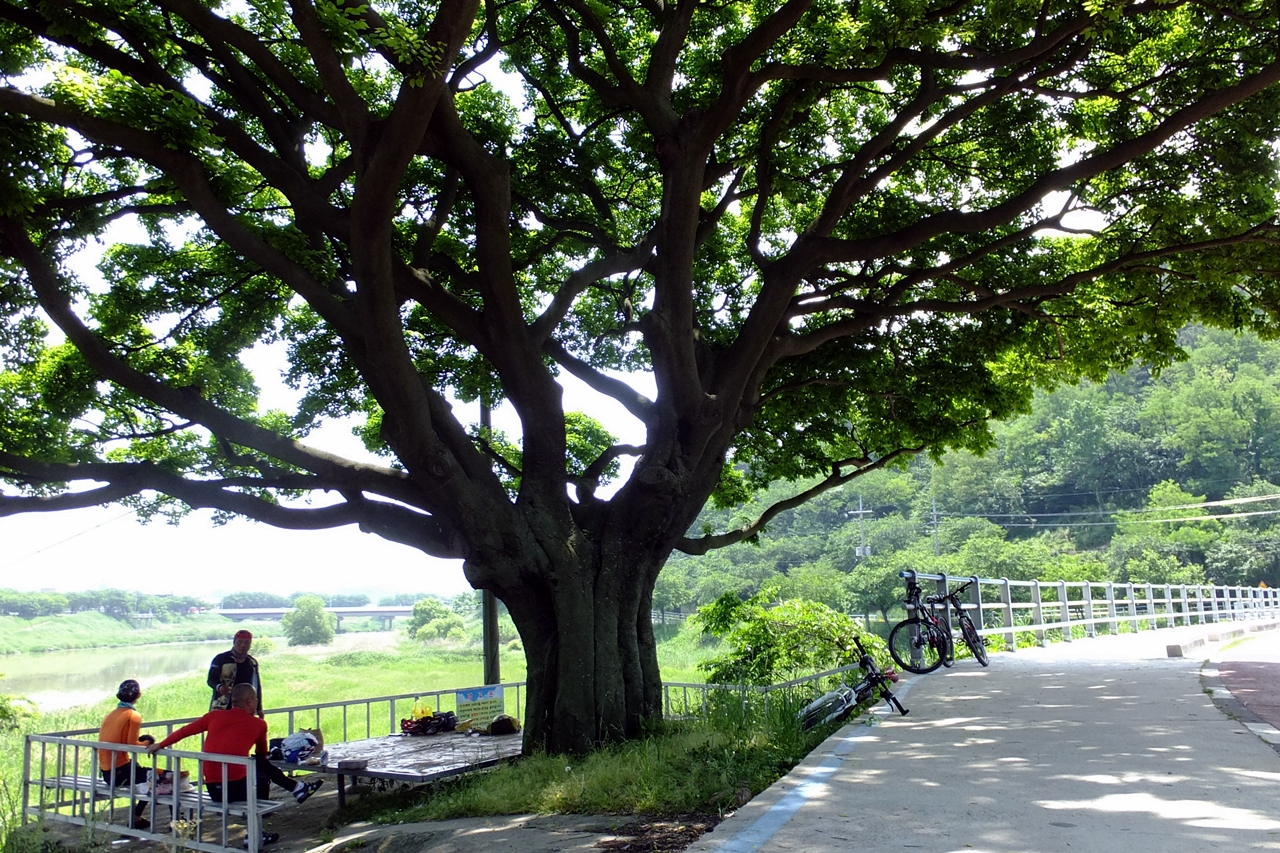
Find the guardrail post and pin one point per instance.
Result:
(1150, 593)
(26, 777)
(1037, 612)
(1006, 615)
(1065, 610)
(975, 596)
(1182, 606)
(1133, 607)
(1112, 623)
(1086, 595)
(941, 586)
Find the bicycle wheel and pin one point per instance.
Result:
(946, 643)
(916, 645)
(972, 639)
(824, 709)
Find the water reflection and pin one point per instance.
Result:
(56, 680)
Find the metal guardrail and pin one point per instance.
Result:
(61, 782)
(72, 757)
(682, 700)
(1043, 608)
(357, 719)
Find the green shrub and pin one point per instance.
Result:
(309, 624)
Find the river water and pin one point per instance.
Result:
(56, 680)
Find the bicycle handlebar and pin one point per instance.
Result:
(877, 680)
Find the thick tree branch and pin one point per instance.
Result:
(125, 480)
(703, 544)
(56, 303)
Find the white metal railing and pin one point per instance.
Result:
(357, 719)
(61, 782)
(686, 699)
(1009, 607)
(65, 763)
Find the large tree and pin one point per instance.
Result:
(834, 232)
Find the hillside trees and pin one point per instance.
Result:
(834, 234)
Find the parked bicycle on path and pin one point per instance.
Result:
(841, 702)
(923, 642)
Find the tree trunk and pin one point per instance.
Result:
(591, 658)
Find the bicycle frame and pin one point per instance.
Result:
(841, 702)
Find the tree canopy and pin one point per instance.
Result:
(835, 234)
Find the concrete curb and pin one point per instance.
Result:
(1217, 635)
(1228, 704)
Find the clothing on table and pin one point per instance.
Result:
(231, 732)
(227, 672)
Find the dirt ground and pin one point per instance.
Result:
(304, 829)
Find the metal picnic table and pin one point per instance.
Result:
(413, 758)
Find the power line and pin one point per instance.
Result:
(1100, 512)
(1228, 516)
(63, 541)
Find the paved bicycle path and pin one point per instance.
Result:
(1095, 746)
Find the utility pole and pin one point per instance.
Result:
(489, 602)
(935, 527)
(862, 549)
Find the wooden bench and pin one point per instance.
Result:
(189, 802)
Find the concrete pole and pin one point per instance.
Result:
(488, 603)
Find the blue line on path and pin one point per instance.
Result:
(754, 836)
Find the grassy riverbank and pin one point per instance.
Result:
(93, 630)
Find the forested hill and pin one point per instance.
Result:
(1090, 485)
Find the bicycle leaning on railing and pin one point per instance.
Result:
(968, 631)
(841, 702)
(922, 642)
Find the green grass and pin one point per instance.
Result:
(685, 767)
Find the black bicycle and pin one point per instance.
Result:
(922, 642)
(841, 702)
(968, 631)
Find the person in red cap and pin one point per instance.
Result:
(234, 667)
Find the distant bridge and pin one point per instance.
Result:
(369, 611)
(386, 614)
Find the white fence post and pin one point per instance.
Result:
(975, 596)
(941, 588)
(1064, 608)
(1037, 612)
(1086, 594)
(1006, 615)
